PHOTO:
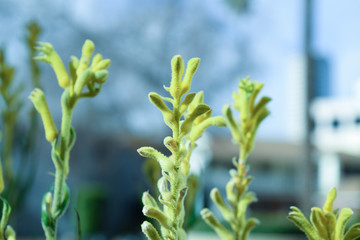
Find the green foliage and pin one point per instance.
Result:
(243, 133)
(326, 223)
(17, 182)
(187, 119)
(84, 80)
(6, 231)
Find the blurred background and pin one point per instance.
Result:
(306, 52)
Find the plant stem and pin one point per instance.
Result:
(9, 130)
(62, 169)
(175, 184)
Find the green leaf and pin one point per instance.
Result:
(216, 197)
(150, 231)
(257, 89)
(344, 217)
(249, 225)
(156, 99)
(148, 200)
(298, 218)
(353, 232)
(46, 218)
(261, 104)
(186, 102)
(319, 221)
(187, 124)
(78, 225)
(233, 125)
(158, 215)
(58, 162)
(212, 221)
(64, 202)
(72, 138)
(197, 131)
(6, 210)
(331, 223)
(328, 205)
(191, 68)
(149, 152)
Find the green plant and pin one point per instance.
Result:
(84, 80)
(326, 223)
(18, 180)
(9, 114)
(243, 133)
(187, 119)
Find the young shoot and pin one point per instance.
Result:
(188, 118)
(326, 223)
(252, 113)
(85, 79)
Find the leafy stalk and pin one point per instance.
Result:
(326, 223)
(84, 80)
(243, 133)
(19, 185)
(9, 115)
(188, 119)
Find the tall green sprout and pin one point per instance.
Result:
(326, 223)
(188, 119)
(12, 103)
(18, 181)
(84, 80)
(252, 113)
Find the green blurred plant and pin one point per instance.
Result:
(18, 180)
(84, 80)
(326, 223)
(243, 133)
(21, 181)
(9, 114)
(188, 119)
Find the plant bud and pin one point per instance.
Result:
(10, 233)
(328, 205)
(177, 67)
(38, 99)
(103, 64)
(101, 76)
(191, 68)
(150, 231)
(51, 57)
(158, 215)
(96, 59)
(210, 219)
(81, 82)
(87, 51)
(73, 65)
(148, 200)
